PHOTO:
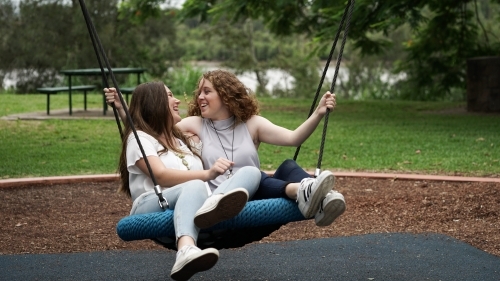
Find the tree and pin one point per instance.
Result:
(445, 32)
(43, 36)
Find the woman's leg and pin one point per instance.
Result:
(185, 199)
(270, 187)
(229, 198)
(247, 177)
(290, 171)
(293, 181)
(186, 202)
(284, 183)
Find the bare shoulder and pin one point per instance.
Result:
(191, 124)
(257, 125)
(253, 122)
(256, 122)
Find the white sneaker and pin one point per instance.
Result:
(331, 208)
(312, 191)
(221, 207)
(190, 260)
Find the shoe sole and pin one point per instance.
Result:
(202, 262)
(228, 207)
(326, 182)
(332, 210)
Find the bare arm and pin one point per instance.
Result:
(190, 125)
(169, 177)
(263, 130)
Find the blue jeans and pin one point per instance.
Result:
(247, 177)
(186, 198)
(274, 187)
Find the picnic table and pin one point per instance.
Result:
(97, 72)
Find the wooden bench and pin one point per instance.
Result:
(54, 90)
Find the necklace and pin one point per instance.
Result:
(220, 141)
(183, 159)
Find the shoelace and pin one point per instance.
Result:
(307, 190)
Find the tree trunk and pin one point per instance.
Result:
(483, 84)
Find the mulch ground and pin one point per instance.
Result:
(82, 217)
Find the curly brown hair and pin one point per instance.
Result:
(239, 99)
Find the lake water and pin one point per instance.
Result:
(9, 81)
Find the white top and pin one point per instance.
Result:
(138, 181)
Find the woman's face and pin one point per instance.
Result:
(173, 104)
(210, 103)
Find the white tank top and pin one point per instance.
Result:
(218, 142)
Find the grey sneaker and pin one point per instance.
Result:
(190, 260)
(331, 208)
(312, 191)
(220, 207)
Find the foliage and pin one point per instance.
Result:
(436, 65)
(28, 37)
(183, 81)
(295, 59)
(424, 44)
(157, 42)
(247, 47)
(138, 11)
(239, 41)
(36, 48)
(445, 32)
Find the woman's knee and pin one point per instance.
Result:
(254, 174)
(288, 164)
(251, 172)
(194, 186)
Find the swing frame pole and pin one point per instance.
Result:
(93, 34)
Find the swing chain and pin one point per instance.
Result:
(96, 42)
(344, 23)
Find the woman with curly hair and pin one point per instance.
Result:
(224, 114)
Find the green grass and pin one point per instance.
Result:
(384, 136)
(388, 136)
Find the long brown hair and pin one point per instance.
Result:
(239, 100)
(150, 113)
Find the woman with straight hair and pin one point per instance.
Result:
(175, 162)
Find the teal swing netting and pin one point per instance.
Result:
(257, 220)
